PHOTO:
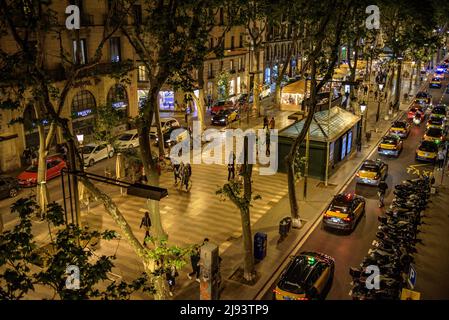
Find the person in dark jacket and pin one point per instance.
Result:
(195, 262)
(265, 122)
(146, 222)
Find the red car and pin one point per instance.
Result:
(221, 105)
(28, 178)
(412, 112)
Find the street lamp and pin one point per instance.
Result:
(80, 138)
(362, 111)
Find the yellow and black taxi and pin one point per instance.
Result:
(391, 145)
(344, 212)
(434, 134)
(224, 117)
(400, 128)
(371, 172)
(439, 111)
(423, 97)
(436, 122)
(435, 82)
(427, 151)
(308, 276)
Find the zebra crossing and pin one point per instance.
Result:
(188, 218)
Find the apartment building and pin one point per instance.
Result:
(101, 89)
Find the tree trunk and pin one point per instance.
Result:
(418, 72)
(248, 269)
(397, 92)
(256, 90)
(297, 143)
(42, 195)
(287, 61)
(150, 166)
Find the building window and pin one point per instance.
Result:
(115, 49)
(240, 64)
(221, 65)
(211, 43)
(241, 41)
(137, 10)
(118, 98)
(209, 71)
(142, 74)
(232, 42)
(232, 87)
(83, 52)
(231, 65)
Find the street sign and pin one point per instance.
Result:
(407, 294)
(412, 276)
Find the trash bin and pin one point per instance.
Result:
(285, 226)
(260, 245)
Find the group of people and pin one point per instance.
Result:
(183, 172)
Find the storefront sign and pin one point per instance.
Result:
(84, 113)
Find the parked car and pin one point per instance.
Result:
(166, 124)
(435, 83)
(28, 178)
(427, 151)
(434, 134)
(371, 172)
(344, 212)
(221, 105)
(94, 152)
(308, 276)
(128, 139)
(391, 145)
(400, 128)
(423, 97)
(224, 117)
(173, 136)
(9, 187)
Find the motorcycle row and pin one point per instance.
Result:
(393, 249)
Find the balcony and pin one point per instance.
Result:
(59, 74)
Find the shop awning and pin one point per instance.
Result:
(297, 87)
(338, 123)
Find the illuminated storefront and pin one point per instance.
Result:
(83, 113)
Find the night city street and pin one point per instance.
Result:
(239, 151)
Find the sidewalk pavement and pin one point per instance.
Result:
(310, 211)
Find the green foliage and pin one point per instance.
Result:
(24, 265)
(107, 119)
(223, 84)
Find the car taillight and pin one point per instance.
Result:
(357, 174)
(302, 298)
(275, 291)
(347, 219)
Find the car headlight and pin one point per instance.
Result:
(222, 119)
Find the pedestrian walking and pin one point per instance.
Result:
(440, 159)
(383, 186)
(177, 172)
(265, 122)
(267, 143)
(272, 123)
(231, 171)
(376, 93)
(171, 275)
(187, 173)
(146, 223)
(186, 117)
(195, 262)
(365, 89)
